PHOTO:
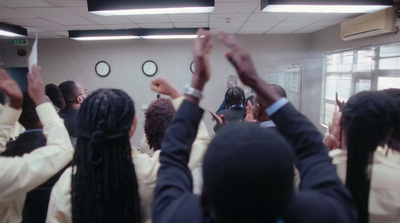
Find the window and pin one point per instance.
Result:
(353, 71)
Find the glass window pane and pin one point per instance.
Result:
(363, 85)
(389, 50)
(364, 60)
(342, 84)
(329, 109)
(388, 82)
(340, 62)
(389, 63)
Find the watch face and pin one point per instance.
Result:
(149, 68)
(102, 69)
(192, 67)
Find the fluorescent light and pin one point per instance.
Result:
(170, 37)
(152, 11)
(325, 8)
(88, 38)
(10, 34)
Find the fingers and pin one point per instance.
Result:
(223, 119)
(228, 40)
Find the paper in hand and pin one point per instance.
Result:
(33, 56)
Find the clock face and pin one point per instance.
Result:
(192, 67)
(149, 68)
(102, 69)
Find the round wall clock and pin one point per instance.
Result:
(149, 68)
(192, 67)
(102, 69)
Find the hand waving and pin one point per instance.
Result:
(36, 86)
(11, 89)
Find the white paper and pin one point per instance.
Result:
(33, 57)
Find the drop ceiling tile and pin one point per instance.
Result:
(235, 7)
(191, 25)
(199, 17)
(268, 16)
(228, 30)
(121, 26)
(149, 18)
(90, 27)
(307, 16)
(290, 24)
(259, 24)
(83, 12)
(8, 13)
(281, 30)
(156, 25)
(25, 3)
(44, 35)
(64, 33)
(310, 29)
(66, 3)
(325, 23)
(35, 30)
(57, 15)
(55, 28)
(253, 30)
(226, 25)
(233, 17)
(31, 22)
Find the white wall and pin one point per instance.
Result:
(64, 59)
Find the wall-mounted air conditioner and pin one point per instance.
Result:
(368, 25)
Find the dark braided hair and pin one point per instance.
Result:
(367, 121)
(235, 96)
(104, 185)
(157, 116)
(394, 141)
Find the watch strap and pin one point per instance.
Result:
(189, 90)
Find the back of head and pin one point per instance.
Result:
(235, 96)
(56, 96)
(279, 90)
(367, 121)
(69, 91)
(157, 116)
(29, 118)
(248, 174)
(104, 187)
(394, 141)
(2, 98)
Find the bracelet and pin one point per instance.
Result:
(189, 90)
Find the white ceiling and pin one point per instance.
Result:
(53, 18)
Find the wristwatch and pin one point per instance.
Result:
(189, 90)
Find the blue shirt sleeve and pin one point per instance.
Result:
(276, 106)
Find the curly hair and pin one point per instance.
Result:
(104, 186)
(235, 96)
(157, 118)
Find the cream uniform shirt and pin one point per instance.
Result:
(384, 196)
(146, 168)
(19, 175)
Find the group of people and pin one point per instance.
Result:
(266, 163)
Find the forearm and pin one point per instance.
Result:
(8, 119)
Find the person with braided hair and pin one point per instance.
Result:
(362, 161)
(101, 185)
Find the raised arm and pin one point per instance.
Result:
(174, 181)
(19, 175)
(12, 111)
(320, 187)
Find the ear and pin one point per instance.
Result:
(79, 99)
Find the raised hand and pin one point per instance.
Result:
(163, 86)
(11, 89)
(202, 48)
(36, 86)
(333, 141)
(249, 113)
(220, 119)
(339, 104)
(240, 59)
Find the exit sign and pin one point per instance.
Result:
(20, 42)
